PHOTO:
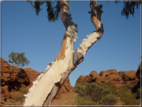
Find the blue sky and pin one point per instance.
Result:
(119, 47)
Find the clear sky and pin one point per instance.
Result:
(119, 47)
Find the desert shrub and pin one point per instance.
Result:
(90, 103)
(112, 87)
(8, 102)
(121, 91)
(139, 91)
(109, 100)
(92, 91)
(97, 91)
(82, 101)
(23, 90)
(80, 88)
(129, 99)
(17, 97)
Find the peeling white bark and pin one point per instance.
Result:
(44, 86)
(48, 66)
(33, 86)
(92, 38)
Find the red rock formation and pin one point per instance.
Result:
(119, 79)
(93, 74)
(128, 75)
(111, 75)
(81, 79)
(32, 75)
(12, 79)
(88, 79)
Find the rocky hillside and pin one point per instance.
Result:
(119, 79)
(14, 78)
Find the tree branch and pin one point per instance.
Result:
(47, 85)
(46, 88)
(81, 51)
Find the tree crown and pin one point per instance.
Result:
(18, 59)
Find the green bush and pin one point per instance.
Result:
(80, 88)
(92, 91)
(24, 90)
(129, 99)
(139, 91)
(121, 91)
(90, 103)
(17, 97)
(109, 100)
(112, 87)
(97, 91)
(82, 101)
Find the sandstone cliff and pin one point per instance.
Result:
(119, 79)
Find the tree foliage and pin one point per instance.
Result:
(129, 8)
(53, 8)
(18, 59)
(95, 93)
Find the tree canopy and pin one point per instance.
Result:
(18, 59)
(53, 8)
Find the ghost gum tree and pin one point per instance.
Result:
(48, 84)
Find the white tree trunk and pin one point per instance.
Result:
(47, 85)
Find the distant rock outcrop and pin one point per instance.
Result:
(81, 79)
(119, 79)
(13, 78)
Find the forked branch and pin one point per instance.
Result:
(48, 85)
(81, 51)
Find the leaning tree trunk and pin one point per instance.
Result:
(48, 84)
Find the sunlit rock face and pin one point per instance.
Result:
(119, 79)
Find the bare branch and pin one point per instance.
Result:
(81, 51)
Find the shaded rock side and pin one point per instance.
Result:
(139, 77)
(65, 88)
(14, 78)
(128, 75)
